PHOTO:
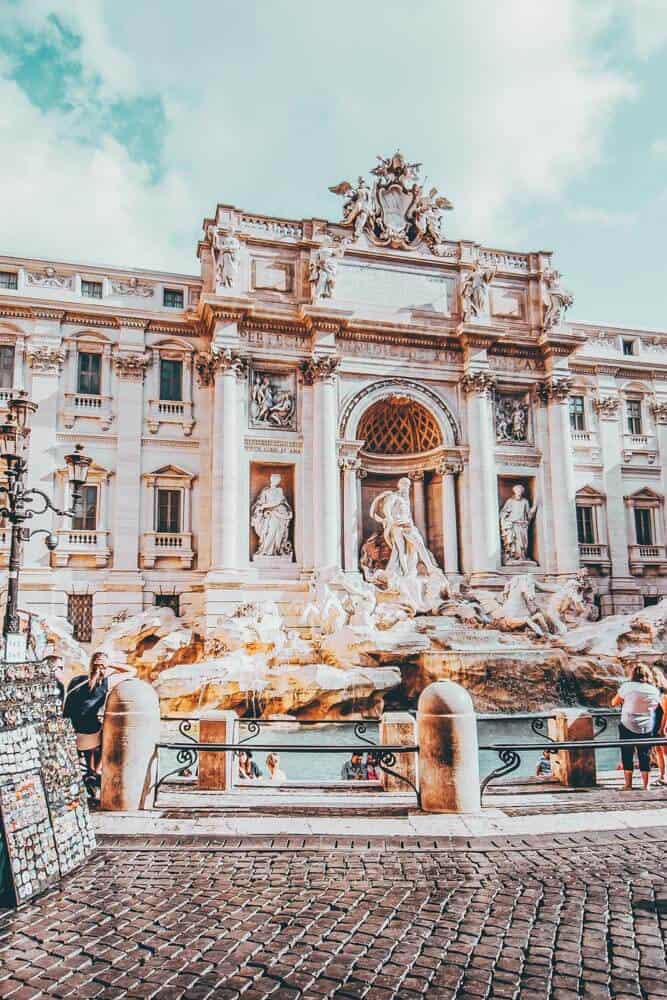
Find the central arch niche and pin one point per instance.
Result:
(398, 425)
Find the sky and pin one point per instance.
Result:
(122, 124)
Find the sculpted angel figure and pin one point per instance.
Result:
(357, 205)
(323, 268)
(557, 299)
(515, 518)
(270, 517)
(226, 251)
(475, 292)
(427, 213)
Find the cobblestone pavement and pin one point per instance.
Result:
(561, 917)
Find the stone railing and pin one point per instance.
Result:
(158, 545)
(582, 437)
(593, 552)
(641, 556)
(89, 543)
(170, 411)
(641, 442)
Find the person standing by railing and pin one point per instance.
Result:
(660, 726)
(639, 698)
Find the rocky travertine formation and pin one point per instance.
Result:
(354, 654)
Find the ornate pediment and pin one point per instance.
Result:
(397, 211)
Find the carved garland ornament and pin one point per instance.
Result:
(607, 407)
(131, 366)
(659, 411)
(46, 360)
(320, 369)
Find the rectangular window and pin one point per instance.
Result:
(650, 600)
(9, 279)
(171, 379)
(86, 518)
(168, 511)
(634, 414)
(91, 289)
(586, 525)
(629, 348)
(6, 366)
(172, 298)
(89, 381)
(643, 526)
(577, 422)
(168, 601)
(80, 616)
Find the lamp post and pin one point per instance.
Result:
(18, 506)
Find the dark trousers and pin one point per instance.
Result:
(628, 751)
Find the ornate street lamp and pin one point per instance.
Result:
(17, 507)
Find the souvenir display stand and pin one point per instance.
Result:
(44, 820)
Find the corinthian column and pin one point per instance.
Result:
(227, 370)
(483, 533)
(555, 392)
(320, 372)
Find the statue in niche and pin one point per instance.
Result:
(270, 517)
(511, 419)
(270, 405)
(324, 266)
(557, 299)
(475, 292)
(226, 253)
(515, 518)
(410, 570)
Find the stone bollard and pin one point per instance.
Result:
(216, 769)
(448, 749)
(573, 768)
(398, 729)
(129, 759)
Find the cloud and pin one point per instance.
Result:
(647, 20)
(659, 147)
(274, 102)
(598, 216)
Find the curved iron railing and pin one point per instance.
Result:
(187, 755)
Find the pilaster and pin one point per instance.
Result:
(554, 392)
(481, 477)
(320, 372)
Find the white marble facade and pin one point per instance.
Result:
(192, 392)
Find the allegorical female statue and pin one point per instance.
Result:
(270, 517)
(515, 518)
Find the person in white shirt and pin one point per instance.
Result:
(273, 767)
(638, 698)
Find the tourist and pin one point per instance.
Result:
(273, 767)
(543, 768)
(639, 699)
(660, 726)
(84, 705)
(373, 772)
(354, 769)
(248, 770)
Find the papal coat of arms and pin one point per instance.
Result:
(396, 211)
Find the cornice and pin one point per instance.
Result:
(188, 328)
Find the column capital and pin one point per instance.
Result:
(132, 367)
(209, 363)
(607, 407)
(555, 389)
(479, 383)
(320, 369)
(417, 476)
(450, 467)
(659, 411)
(45, 360)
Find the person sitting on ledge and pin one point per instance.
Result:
(273, 767)
(354, 769)
(248, 770)
(543, 767)
(639, 699)
(373, 772)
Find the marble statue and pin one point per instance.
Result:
(411, 570)
(511, 419)
(270, 405)
(557, 301)
(357, 205)
(515, 518)
(475, 292)
(226, 252)
(270, 517)
(428, 214)
(323, 268)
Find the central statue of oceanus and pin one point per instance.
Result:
(410, 569)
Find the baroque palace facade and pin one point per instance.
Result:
(243, 421)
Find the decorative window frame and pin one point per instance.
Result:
(91, 545)
(171, 412)
(13, 337)
(78, 405)
(646, 499)
(158, 547)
